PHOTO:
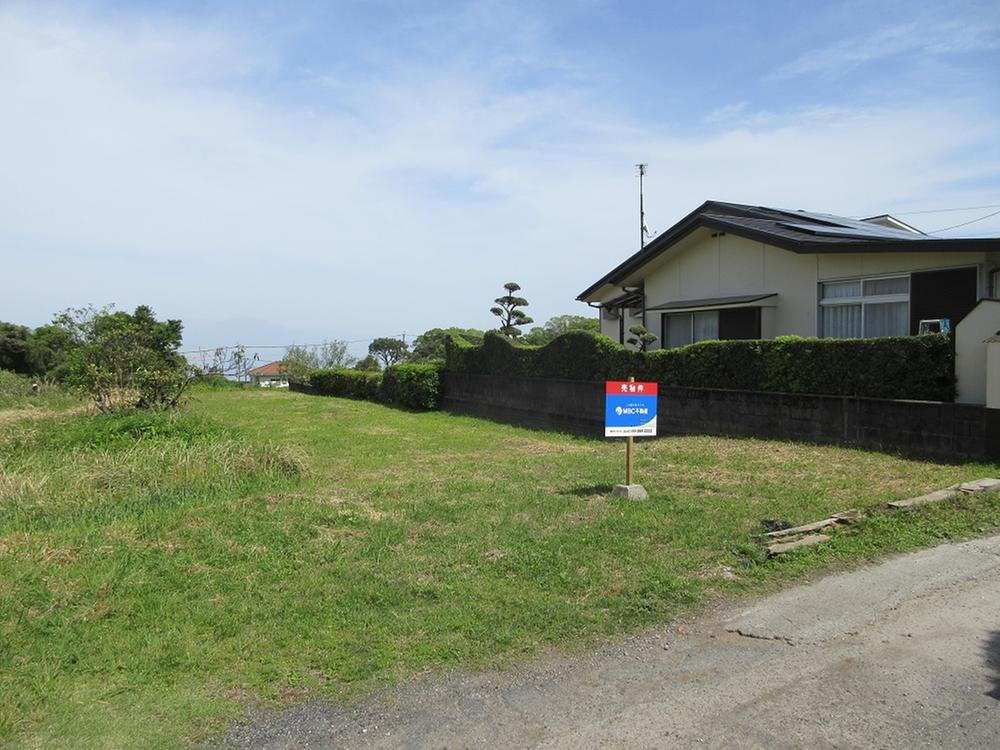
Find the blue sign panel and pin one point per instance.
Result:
(629, 409)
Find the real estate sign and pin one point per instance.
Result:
(629, 409)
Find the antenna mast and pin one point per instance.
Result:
(642, 211)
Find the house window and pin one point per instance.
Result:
(686, 328)
(865, 308)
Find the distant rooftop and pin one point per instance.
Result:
(271, 368)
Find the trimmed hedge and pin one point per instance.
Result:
(415, 386)
(412, 386)
(904, 367)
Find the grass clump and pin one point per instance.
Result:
(24, 393)
(97, 468)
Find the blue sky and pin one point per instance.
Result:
(275, 172)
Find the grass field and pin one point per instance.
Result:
(159, 575)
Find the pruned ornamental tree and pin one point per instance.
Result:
(640, 338)
(507, 310)
(388, 351)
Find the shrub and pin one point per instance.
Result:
(910, 367)
(13, 387)
(216, 382)
(339, 381)
(126, 361)
(417, 386)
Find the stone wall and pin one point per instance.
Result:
(942, 430)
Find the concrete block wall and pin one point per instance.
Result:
(942, 430)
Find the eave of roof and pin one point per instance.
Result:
(749, 222)
(742, 299)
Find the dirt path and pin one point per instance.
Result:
(905, 653)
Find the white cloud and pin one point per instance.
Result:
(141, 166)
(928, 37)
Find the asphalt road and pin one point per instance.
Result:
(903, 654)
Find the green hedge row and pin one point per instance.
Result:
(412, 386)
(905, 367)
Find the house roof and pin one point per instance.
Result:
(271, 368)
(797, 231)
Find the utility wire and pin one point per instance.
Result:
(943, 210)
(933, 211)
(965, 223)
(209, 349)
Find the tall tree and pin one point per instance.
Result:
(334, 354)
(388, 351)
(429, 346)
(298, 361)
(49, 347)
(367, 364)
(14, 347)
(508, 311)
(557, 326)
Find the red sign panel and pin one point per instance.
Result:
(620, 387)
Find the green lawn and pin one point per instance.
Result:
(158, 576)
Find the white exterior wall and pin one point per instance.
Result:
(970, 351)
(703, 266)
(611, 327)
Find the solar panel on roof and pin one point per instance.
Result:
(864, 232)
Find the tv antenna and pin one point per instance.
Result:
(644, 232)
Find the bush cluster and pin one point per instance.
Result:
(905, 367)
(415, 386)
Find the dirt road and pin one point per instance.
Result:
(905, 653)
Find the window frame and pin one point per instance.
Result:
(664, 325)
(862, 299)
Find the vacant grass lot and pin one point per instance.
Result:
(159, 575)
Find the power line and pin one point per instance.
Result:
(943, 210)
(966, 223)
(933, 211)
(210, 349)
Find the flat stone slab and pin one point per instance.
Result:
(981, 485)
(848, 516)
(630, 491)
(806, 541)
(930, 497)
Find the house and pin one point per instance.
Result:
(271, 375)
(732, 271)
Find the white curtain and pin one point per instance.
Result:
(706, 326)
(678, 330)
(896, 285)
(887, 319)
(841, 321)
(840, 289)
